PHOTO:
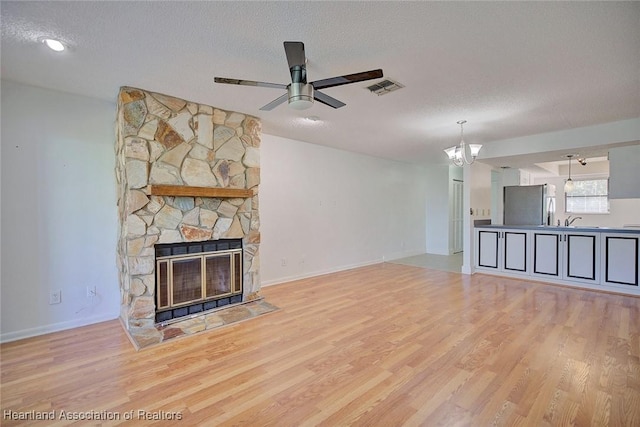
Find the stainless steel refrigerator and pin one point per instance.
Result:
(529, 205)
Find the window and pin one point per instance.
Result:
(588, 196)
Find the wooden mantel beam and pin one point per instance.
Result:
(188, 191)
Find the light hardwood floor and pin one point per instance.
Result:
(384, 345)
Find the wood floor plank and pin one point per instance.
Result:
(383, 345)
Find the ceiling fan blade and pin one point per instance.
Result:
(248, 83)
(297, 61)
(327, 100)
(295, 54)
(273, 104)
(349, 78)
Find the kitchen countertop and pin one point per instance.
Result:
(564, 228)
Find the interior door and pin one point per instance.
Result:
(457, 217)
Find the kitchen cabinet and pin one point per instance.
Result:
(581, 257)
(572, 255)
(514, 177)
(624, 173)
(515, 247)
(503, 250)
(620, 259)
(488, 253)
(588, 257)
(547, 254)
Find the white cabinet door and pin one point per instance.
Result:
(573, 256)
(582, 257)
(488, 249)
(515, 249)
(620, 259)
(503, 250)
(546, 254)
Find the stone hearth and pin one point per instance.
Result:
(146, 337)
(167, 141)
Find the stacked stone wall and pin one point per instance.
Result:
(169, 141)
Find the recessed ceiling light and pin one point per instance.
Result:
(54, 44)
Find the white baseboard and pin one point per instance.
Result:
(56, 327)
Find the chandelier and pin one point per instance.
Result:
(568, 184)
(458, 154)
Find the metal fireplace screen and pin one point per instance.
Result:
(193, 278)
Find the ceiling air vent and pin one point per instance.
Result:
(384, 87)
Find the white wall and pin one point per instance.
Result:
(324, 210)
(59, 217)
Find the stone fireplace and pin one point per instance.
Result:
(187, 177)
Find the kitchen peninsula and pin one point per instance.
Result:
(589, 257)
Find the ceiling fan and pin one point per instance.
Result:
(301, 94)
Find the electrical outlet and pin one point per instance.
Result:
(55, 297)
(283, 262)
(91, 291)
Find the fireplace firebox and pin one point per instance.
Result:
(197, 276)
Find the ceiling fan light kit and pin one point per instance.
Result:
(300, 94)
(458, 153)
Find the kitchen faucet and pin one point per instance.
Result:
(568, 223)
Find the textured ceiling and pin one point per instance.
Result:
(510, 69)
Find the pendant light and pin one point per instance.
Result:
(568, 185)
(458, 153)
